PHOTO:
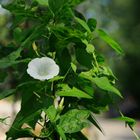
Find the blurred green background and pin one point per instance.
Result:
(121, 19)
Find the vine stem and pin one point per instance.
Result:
(138, 138)
(66, 74)
(135, 134)
(96, 63)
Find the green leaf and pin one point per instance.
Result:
(92, 23)
(51, 112)
(11, 59)
(64, 60)
(34, 105)
(16, 131)
(6, 93)
(56, 5)
(72, 92)
(110, 41)
(61, 132)
(129, 121)
(17, 34)
(56, 78)
(102, 82)
(100, 59)
(13, 56)
(73, 66)
(76, 2)
(74, 120)
(10, 63)
(84, 85)
(21, 133)
(83, 24)
(32, 34)
(84, 58)
(95, 123)
(76, 136)
(42, 2)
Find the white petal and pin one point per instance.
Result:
(54, 70)
(43, 68)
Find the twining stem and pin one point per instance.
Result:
(135, 134)
(96, 63)
(66, 74)
(138, 138)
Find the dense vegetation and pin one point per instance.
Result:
(65, 104)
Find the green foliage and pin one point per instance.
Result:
(54, 28)
(52, 113)
(110, 41)
(129, 121)
(83, 24)
(72, 92)
(92, 23)
(101, 82)
(42, 2)
(56, 6)
(10, 59)
(74, 120)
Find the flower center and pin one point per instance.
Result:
(43, 71)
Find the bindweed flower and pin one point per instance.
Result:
(42, 68)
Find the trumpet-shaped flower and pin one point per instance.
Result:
(42, 68)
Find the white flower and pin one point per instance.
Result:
(42, 68)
